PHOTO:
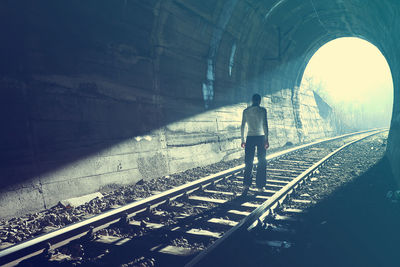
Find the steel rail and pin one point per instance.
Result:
(56, 238)
(257, 216)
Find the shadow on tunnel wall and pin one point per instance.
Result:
(79, 77)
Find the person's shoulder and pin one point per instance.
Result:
(263, 109)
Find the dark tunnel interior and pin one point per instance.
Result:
(79, 79)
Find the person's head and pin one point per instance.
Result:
(256, 99)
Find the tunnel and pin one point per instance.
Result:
(101, 93)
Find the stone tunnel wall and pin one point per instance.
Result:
(199, 140)
(100, 92)
(96, 93)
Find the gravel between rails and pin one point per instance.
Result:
(345, 166)
(350, 221)
(22, 228)
(18, 229)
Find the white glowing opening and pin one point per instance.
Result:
(353, 76)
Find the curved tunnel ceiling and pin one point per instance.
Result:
(162, 61)
(304, 26)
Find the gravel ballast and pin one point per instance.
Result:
(326, 183)
(352, 220)
(15, 230)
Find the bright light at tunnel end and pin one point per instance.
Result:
(352, 76)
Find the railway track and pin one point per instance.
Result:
(185, 224)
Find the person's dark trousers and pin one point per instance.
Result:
(251, 143)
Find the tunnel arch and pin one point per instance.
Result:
(336, 23)
(324, 21)
(93, 77)
(275, 40)
(371, 96)
(327, 39)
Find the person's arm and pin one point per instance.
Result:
(265, 127)
(242, 129)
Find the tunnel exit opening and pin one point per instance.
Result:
(352, 84)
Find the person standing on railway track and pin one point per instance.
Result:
(257, 136)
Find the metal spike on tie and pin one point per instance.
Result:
(148, 209)
(284, 199)
(90, 234)
(278, 206)
(271, 213)
(260, 223)
(288, 198)
(48, 251)
(124, 218)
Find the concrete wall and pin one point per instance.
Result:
(202, 139)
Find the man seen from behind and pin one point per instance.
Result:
(257, 136)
